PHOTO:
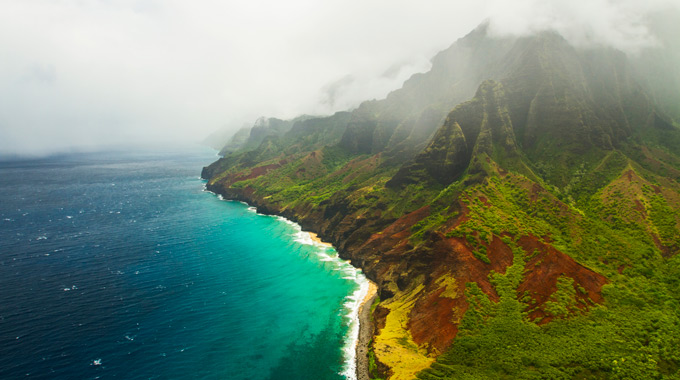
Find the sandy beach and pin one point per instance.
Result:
(316, 239)
(365, 322)
(365, 331)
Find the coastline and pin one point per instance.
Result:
(363, 298)
(363, 319)
(365, 331)
(315, 238)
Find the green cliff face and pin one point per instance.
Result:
(518, 206)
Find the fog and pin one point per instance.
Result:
(621, 24)
(83, 75)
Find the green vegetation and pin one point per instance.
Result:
(562, 303)
(634, 335)
(372, 366)
(547, 205)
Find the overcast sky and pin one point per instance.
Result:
(87, 73)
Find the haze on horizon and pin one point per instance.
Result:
(91, 74)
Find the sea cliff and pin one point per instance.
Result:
(518, 207)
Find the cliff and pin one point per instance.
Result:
(518, 207)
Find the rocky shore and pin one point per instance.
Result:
(365, 331)
(315, 223)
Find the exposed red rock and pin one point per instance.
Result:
(431, 319)
(544, 268)
(397, 231)
(253, 173)
(434, 319)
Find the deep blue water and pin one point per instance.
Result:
(120, 265)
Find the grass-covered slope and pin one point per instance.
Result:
(535, 235)
(574, 295)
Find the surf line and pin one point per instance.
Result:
(354, 303)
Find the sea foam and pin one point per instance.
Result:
(352, 302)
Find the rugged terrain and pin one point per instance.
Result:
(518, 206)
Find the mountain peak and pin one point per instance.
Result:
(498, 201)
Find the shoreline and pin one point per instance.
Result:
(363, 316)
(315, 238)
(365, 331)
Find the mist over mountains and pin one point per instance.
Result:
(518, 205)
(83, 75)
(483, 55)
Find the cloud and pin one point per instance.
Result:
(80, 73)
(621, 24)
(89, 73)
(347, 92)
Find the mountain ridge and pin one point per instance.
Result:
(545, 202)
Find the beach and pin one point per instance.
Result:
(365, 331)
(365, 322)
(318, 240)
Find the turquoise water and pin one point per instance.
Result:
(121, 265)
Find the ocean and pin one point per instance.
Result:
(119, 265)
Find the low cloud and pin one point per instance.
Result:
(621, 24)
(93, 73)
(349, 91)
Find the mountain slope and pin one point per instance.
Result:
(533, 234)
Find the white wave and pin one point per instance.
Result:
(290, 223)
(303, 238)
(219, 196)
(350, 348)
(352, 302)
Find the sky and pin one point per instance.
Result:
(86, 74)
